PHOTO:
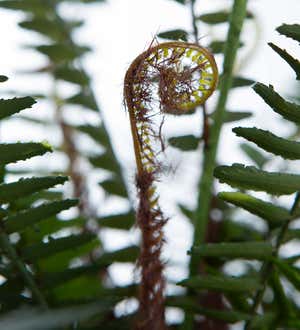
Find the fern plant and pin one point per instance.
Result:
(20, 258)
(57, 267)
(76, 239)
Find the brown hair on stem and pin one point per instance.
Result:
(172, 77)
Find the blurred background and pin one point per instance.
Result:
(117, 31)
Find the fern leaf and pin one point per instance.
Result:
(290, 272)
(249, 177)
(221, 283)
(177, 34)
(184, 142)
(270, 142)
(13, 152)
(218, 17)
(255, 155)
(35, 319)
(190, 305)
(61, 53)
(72, 75)
(274, 215)
(54, 246)
(287, 110)
(293, 62)
(22, 220)
(290, 30)
(11, 191)
(85, 99)
(247, 250)
(15, 105)
(3, 78)
(118, 221)
(51, 28)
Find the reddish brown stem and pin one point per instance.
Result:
(150, 221)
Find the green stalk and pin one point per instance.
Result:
(206, 182)
(194, 23)
(28, 278)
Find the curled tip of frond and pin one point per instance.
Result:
(176, 76)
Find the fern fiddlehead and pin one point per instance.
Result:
(171, 78)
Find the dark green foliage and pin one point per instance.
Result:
(34, 319)
(24, 187)
(180, 1)
(59, 262)
(177, 34)
(61, 53)
(37, 7)
(249, 177)
(190, 305)
(248, 250)
(13, 152)
(52, 29)
(281, 311)
(114, 186)
(294, 63)
(3, 78)
(274, 215)
(221, 283)
(256, 156)
(288, 110)
(84, 99)
(231, 116)
(12, 106)
(118, 221)
(184, 142)
(54, 246)
(241, 82)
(292, 273)
(217, 46)
(72, 75)
(29, 217)
(270, 142)
(218, 17)
(290, 30)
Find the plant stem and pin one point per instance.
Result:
(194, 23)
(267, 266)
(28, 278)
(205, 186)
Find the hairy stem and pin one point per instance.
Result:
(266, 269)
(159, 76)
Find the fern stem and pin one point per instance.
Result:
(194, 23)
(237, 17)
(205, 186)
(266, 269)
(28, 278)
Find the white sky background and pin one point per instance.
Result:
(118, 31)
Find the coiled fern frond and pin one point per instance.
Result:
(169, 78)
